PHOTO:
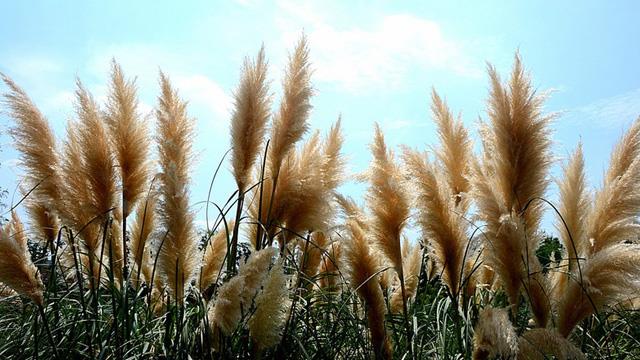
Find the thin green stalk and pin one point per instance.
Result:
(48, 331)
(231, 260)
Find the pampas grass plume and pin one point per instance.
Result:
(16, 268)
(267, 322)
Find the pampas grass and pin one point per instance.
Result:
(617, 203)
(456, 151)
(512, 176)
(290, 122)
(387, 200)
(438, 218)
(609, 277)
(16, 269)
(129, 138)
(34, 139)
(267, 323)
(177, 257)
(330, 279)
(249, 119)
(363, 271)
(215, 253)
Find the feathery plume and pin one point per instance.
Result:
(352, 211)
(387, 200)
(440, 222)
(456, 151)
(214, 256)
(97, 161)
(363, 268)
(494, 336)
(249, 119)
(609, 277)
(514, 172)
(266, 324)
(521, 142)
(253, 272)
(44, 221)
(541, 344)
(89, 187)
(16, 269)
(574, 209)
(227, 312)
(34, 139)
(128, 137)
(290, 123)
(177, 258)
(333, 161)
(617, 204)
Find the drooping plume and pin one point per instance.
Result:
(541, 344)
(616, 206)
(249, 119)
(363, 268)
(609, 277)
(387, 200)
(16, 269)
(34, 139)
(178, 259)
(412, 263)
(441, 224)
(456, 150)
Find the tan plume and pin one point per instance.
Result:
(456, 149)
(438, 218)
(129, 137)
(16, 268)
(178, 259)
(267, 322)
(617, 204)
(290, 122)
(609, 277)
(249, 119)
(363, 271)
(387, 200)
(214, 256)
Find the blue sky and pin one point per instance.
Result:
(373, 61)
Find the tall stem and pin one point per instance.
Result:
(406, 316)
(231, 259)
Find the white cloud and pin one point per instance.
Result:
(204, 91)
(32, 66)
(381, 54)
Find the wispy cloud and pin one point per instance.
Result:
(611, 112)
(380, 54)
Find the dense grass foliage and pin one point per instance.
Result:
(112, 266)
